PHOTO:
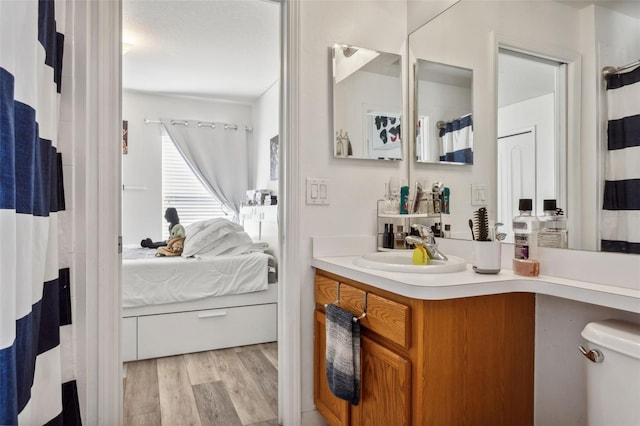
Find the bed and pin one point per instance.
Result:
(199, 302)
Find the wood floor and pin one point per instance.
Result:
(227, 387)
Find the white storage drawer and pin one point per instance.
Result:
(129, 339)
(184, 332)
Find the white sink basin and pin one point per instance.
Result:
(401, 261)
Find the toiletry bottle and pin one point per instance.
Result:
(392, 237)
(553, 226)
(404, 200)
(447, 231)
(525, 230)
(399, 238)
(445, 200)
(385, 236)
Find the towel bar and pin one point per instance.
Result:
(364, 303)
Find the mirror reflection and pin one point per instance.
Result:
(568, 160)
(444, 123)
(531, 143)
(367, 103)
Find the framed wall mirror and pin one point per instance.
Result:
(443, 119)
(367, 103)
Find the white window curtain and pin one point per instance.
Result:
(182, 190)
(218, 155)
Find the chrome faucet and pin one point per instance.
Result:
(426, 239)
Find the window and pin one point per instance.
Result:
(182, 190)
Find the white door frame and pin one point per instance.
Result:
(98, 186)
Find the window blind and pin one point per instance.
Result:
(182, 190)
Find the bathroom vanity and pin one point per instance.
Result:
(448, 348)
(462, 361)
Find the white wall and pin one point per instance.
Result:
(560, 375)
(266, 125)
(142, 213)
(354, 185)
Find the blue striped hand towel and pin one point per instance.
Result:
(343, 354)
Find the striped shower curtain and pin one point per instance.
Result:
(34, 300)
(456, 141)
(620, 226)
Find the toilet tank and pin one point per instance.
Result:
(613, 382)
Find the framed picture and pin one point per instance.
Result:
(384, 130)
(274, 157)
(125, 137)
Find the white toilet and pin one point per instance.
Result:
(613, 373)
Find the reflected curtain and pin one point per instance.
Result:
(620, 227)
(456, 140)
(218, 156)
(34, 303)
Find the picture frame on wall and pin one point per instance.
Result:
(125, 137)
(274, 156)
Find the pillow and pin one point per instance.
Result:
(203, 236)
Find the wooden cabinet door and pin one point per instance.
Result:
(385, 387)
(334, 410)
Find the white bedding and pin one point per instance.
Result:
(158, 280)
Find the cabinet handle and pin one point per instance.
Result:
(593, 355)
(211, 314)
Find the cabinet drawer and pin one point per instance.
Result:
(385, 317)
(184, 332)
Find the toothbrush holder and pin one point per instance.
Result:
(487, 257)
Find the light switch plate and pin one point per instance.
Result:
(478, 194)
(317, 191)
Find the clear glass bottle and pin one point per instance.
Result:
(553, 226)
(399, 243)
(525, 229)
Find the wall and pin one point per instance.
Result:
(560, 376)
(142, 213)
(266, 124)
(354, 185)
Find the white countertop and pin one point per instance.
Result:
(468, 283)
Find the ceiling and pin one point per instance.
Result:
(219, 49)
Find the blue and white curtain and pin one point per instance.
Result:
(621, 204)
(34, 300)
(456, 141)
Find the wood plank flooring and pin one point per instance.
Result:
(227, 387)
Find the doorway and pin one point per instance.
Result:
(223, 107)
(532, 99)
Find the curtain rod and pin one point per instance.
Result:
(212, 125)
(615, 70)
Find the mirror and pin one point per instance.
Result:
(444, 123)
(585, 36)
(367, 103)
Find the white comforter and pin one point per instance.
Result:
(159, 280)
